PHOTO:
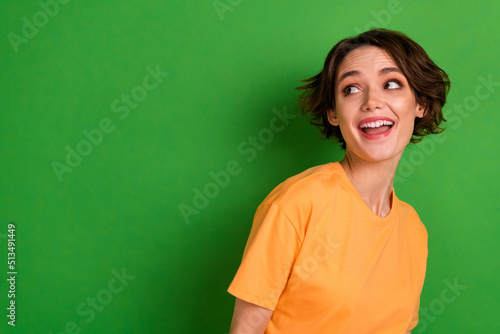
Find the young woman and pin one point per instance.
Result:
(332, 249)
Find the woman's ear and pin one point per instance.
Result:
(420, 111)
(332, 117)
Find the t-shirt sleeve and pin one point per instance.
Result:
(268, 258)
(424, 250)
(414, 320)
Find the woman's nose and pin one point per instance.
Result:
(372, 100)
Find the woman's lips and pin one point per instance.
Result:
(375, 136)
(374, 128)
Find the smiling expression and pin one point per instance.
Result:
(375, 106)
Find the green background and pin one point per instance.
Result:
(119, 207)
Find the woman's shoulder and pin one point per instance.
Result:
(307, 185)
(410, 216)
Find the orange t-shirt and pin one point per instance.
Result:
(325, 263)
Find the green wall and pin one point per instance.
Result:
(115, 114)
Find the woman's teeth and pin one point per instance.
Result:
(376, 124)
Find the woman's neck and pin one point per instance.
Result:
(372, 180)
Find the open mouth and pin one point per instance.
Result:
(375, 128)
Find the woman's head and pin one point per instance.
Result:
(427, 81)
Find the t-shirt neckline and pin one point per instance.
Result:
(368, 213)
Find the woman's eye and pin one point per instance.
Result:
(349, 90)
(392, 84)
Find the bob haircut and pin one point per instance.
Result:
(429, 83)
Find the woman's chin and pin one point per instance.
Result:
(378, 154)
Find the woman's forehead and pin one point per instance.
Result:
(365, 57)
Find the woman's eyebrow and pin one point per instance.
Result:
(347, 74)
(381, 72)
(389, 70)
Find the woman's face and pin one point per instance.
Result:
(375, 106)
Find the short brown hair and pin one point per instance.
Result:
(429, 83)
